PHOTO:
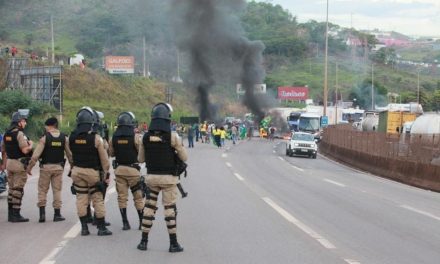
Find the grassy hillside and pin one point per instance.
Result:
(115, 94)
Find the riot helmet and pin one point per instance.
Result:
(19, 115)
(126, 119)
(86, 115)
(161, 111)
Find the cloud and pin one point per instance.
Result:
(414, 17)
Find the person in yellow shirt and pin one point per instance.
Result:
(217, 136)
(222, 136)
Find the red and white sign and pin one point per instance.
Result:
(119, 64)
(293, 93)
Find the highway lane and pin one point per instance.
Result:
(250, 203)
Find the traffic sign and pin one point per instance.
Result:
(324, 121)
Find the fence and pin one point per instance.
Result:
(410, 158)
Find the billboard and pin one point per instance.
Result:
(293, 93)
(258, 88)
(119, 64)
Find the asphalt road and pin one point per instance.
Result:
(248, 203)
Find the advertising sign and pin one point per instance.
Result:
(293, 93)
(119, 64)
(258, 88)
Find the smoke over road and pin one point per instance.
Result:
(210, 32)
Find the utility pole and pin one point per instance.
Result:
(178, 66)
(336, 91)
(53, 42)
(326, 66)
(372, 86)
(143, 50)
(418, 86)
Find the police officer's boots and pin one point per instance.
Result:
(102, 230)
(144, 241)
(84, 227)
(95, 221)
(42, 214)
(89, 218)
(9, 212)
(57, 217)
(174, 245)
(141, 216)
(125, 223)
(17, 217)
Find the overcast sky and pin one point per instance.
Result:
(411, 17)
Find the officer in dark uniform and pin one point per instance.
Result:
(159, 150)
(89, 158)
(50, 151)
(124, 146)
(18, 150)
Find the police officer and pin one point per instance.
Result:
(89, 158)
(158, 150)
(124, 146)
(50, 152)
(18, 149)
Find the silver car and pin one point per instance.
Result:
(302, 144)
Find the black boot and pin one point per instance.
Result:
(141, 216)
(125, 223)
(95, 221)
(42, 214)
(9, 212)
(144, 241)
(57, 217)
(17, 217)
(84, 227)
(102, 230)
(89, 216)
(174, 245)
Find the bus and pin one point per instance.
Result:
(310, 123)
(293, 121)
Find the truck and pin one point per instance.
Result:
(310, 123)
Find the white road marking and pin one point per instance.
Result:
(420, 212)
(239, 177)
(350, 261)
(224, 155)
(295, 167)
(324, 242)
(335, 183)
(281, 158)
(229, 164)
(274, 151)
(72, 233)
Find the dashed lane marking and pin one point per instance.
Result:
(239, 177)
(295, 167)
(309, 231)
(224, 155)
(229, 164)
(335, 183)
(350, 261)
(420, 212)
(281, 158)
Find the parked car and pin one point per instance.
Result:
(302, 144)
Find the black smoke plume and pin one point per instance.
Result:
(211, 33)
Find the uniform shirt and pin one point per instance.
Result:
(125, 170)
(40, 148)
(137, 143)
(22, 143)
(102, 152)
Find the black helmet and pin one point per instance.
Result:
(19, 115)
(126, 119)
(162, 111)
(86, 115)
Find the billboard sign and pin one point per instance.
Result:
(293, 93)
(258, 88)
(119, 64)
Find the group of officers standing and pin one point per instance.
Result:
(87, 153)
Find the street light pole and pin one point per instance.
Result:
(326, 66)
(418, 86)
(372, 86)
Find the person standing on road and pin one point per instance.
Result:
(50, 150)
(124, 146)
(17, 152)
(234, 133)
(159, 150)
(190, 132)
(89, 158)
